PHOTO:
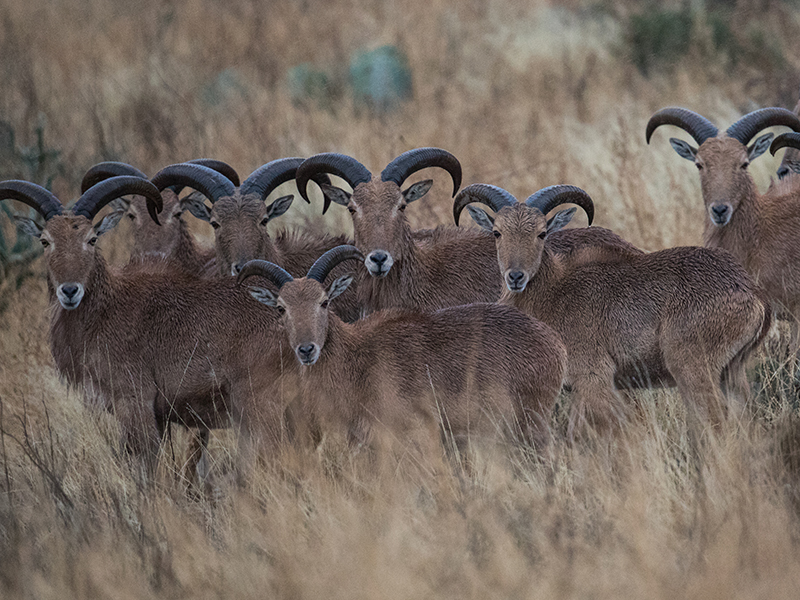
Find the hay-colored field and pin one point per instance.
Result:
(526, 96)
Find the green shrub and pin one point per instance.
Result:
(308, 84)
(659, 37)
(380, 78)
(38, 164)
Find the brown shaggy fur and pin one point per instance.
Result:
(463, 371)
(684, 316)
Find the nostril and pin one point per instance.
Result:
(306, 350)
(720, 210)
(379, 257)
(69, 289)
(516, 276)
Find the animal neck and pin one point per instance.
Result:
(336, 355)
(550, 271)
(70, 329)
(740, 236)
(398, 289)
(186, 250)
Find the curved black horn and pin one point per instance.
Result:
(414, 160)
(104, 170)
(548, 198)
(694, 124)
(35, 196)
(328, 261)
(266, 269)
(269, 176)
(492, 196)
(97, 196)
(341, 165)
(219, 166)
(749, 125)
(785, 140)
(208, 182)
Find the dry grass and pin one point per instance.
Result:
(525, 97)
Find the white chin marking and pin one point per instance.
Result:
(72, 302)
(310, 361)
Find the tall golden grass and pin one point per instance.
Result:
(526, 96)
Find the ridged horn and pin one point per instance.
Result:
(548, 198)
(265, 269)
(267, 177)
(328, 261)
(785, 140)
(749, 125)
(97, 196)
(421, 158)
(692, 123)
(492, 196)
(104, 170)
(208, 182)
(341, 165)
(219, 166)
(35, 196)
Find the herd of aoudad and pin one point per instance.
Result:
(452, 333)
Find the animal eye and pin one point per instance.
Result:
(745, 164)
(92, 241)
(542, 235)
(352, 210)
(265, 220)
(280, 309)
(214, 224)
(496, 233)
(131, 217)
(325, 303)
(699, 166)
(45, 243)
(402, 208)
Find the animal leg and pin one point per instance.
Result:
(534, 428)
(196, 464)
(701, 393)
(139, 428)
(596, 403)
(736, 387)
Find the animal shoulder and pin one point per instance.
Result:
(308, 241)
(445, 234)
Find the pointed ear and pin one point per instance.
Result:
(338, 286)
(28, 226)
(683, 149)
(280, 206)
(481, 217)
(264, 296)
(417, 190)
(760, 146)
(109, 222)
(335, 194)
(560, 220)
(195, 204)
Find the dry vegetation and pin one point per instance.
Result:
(529, 96)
